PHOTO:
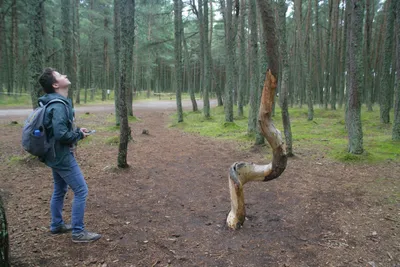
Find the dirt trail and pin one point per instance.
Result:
(169, 208)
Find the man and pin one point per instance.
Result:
(60, 158)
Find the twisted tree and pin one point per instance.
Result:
(243, 172)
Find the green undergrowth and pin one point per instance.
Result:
(327, 132)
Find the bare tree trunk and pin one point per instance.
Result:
(327, 60)
(368, 55)
(127, 14)
(229, 51)
(242, 67)
(36, 51)
(77, 51)
(4, 240)
(355, 75)
(14, 46)
(385, 95)
(207, 64)
(2, 44)
(285, 78)
(189, 76)
(67, 43)
(309, 95)
(117, 40)
(396, 121)
(178, 56)
(243, 172)
(253, 65)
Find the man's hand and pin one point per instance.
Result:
(84, 131)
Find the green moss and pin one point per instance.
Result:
(327, 132)
(113, 140)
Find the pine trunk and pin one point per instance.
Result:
(254, 72)
(242, 52)
(207, 64)
(396, 121)
(229, 62)
(4, 240)
(385, 95)
(14, 46)
(285, 78)
(77, 51)
(355, 76)
(127, 14)
(36, 51)
(178, 56)
(117, 41)
(189, 76)
(368, 55)
(67, 44)
(309, 95)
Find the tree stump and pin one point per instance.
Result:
(4, 243)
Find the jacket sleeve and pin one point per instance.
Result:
(60, 122)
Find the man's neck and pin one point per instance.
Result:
(63, 92)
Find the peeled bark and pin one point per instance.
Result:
(243, 172)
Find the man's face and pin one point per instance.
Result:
(62, 81)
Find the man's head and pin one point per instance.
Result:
(53, 82)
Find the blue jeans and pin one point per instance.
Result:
(75, 180)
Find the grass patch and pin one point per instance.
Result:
(113, 140)
(15, 101)
(326, 132)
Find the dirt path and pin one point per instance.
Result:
(169, 208)
(138, 105)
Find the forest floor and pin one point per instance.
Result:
(169, 208)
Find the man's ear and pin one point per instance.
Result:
(55, 85)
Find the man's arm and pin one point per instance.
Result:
(60, 126)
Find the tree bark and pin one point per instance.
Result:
(207, 64)
(385, 96)
(396, 121)
(4, 240)
(14, 46)
(2, 44)
(327, 86)
(285, 78)
(229, 62)
(254, 72)
(243, 172)
(127, 14)
(117, 41)
(67, 43)
(355, 76)
(36, 52)
(77, 51)
(178, 56)
(242, 52)
(189, 76)
(368, 55)
(309, 95)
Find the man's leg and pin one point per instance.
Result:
(74, 178)
(57, 201)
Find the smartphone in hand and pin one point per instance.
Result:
(91, 132)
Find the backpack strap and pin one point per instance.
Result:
(54, 101)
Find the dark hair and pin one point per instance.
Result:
(47, 80)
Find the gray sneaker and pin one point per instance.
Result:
(85, 237)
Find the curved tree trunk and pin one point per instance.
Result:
(4, 243)
(243, 172)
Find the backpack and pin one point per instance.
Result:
(34, 136)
